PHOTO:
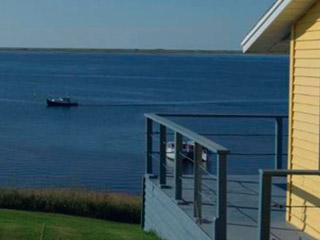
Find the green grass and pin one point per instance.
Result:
(23, 225)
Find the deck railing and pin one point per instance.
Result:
(200, 142)
(265, 196)
(278, 130)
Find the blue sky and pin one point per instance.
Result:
(145, 24)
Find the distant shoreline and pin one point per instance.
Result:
(125, 51)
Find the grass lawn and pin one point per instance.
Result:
(25, 225)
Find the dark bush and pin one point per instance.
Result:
(108, 206)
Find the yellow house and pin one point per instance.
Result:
(293, 27)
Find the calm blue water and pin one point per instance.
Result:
(100, 144)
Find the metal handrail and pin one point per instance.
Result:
(284, 172)
(265, 196)
(205, 142)
(220, 220)
(202, 115)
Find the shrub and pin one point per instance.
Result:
(108, 206)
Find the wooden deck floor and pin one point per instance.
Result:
(242, 210)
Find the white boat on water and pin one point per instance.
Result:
(187, 151)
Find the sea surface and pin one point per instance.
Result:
(100, 144)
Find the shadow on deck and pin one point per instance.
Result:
(242, 210)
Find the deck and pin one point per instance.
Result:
(215, 205)
(242, 207)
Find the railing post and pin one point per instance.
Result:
(278, 143)
(178, 167)
(163, 155)
(221, 219)
(264, 206)
(149, 146)
(197, 210)
(143, 201)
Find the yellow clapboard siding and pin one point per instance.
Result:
(313, 213)
(313, 147)
(296, 166)
(309, 54)
(304, 108)
(307, 212)
(307, 226)
(310, 137)
(312, 35)
(305, 165)
(304, 154)
(307, 72)
(305, 117)
(312, 229)
(301, 209)
(306, 90)
(299, 160)
(310, 26)
(307, 127)
(304, 99)
(308, 45)
(305, 61)
(308, 118)
(308, 180)
(304, 226)
(300, 202)
(307, 185)
(308, 63)
(307, 81)
(298, 214)
(297, 218)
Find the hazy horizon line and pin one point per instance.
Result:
(122, 50)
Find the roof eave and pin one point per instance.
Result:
(263, 23)
(270, 34)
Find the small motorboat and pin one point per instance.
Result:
(61, 102)
(187, 151)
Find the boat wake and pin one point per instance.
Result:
(10, 100)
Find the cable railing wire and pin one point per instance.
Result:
(230, 134)
(154, 158)
(206, 197)
(230, 154)
(255, 154)
(240, 135)
(204, 169)
(186, 157)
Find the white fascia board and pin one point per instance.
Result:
(264, 23)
